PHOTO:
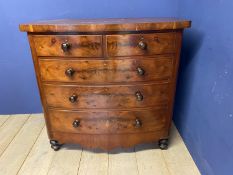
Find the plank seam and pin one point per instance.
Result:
(30, 149)
(8, 116)
(136, 160)
(50, 163)
(80, 161)
(166, 164)
(15, 135)
(108, 162)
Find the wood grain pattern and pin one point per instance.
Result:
(178, 156)
(128, 45)
(150, 160)
(107, 71)
(145, 159)
(10, 128)
(38, 79)
(66, 161)
(41, 154)
(121, 160)
(98, 69)
(106, 25)
(80, 45)
(112, 96)
(3, 119)
(108, 122)
(109, 141)
(15, 154)
(93, 162)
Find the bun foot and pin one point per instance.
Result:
(55, 145)
(163, 144)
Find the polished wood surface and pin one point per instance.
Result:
(111, 96)
(80, 46)
(25, 137)
(129, 45)
(103, 25)
(109, 141)
(107, 71)
(108, 122)
(107, 83)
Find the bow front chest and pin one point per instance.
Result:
(107, 83)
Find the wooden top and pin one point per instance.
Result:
(106, 25)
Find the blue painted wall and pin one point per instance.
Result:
(18, 89)
(204, 108)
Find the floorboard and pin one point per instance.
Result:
(15, 154)
(9, 129)
(121, 160)
(3, 119)
(40, 157)
(66, 161)
(177, 157)
(25, 150)
(93, 162)
(150, 160)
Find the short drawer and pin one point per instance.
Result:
(140, 44)
(68, 45)
(107, 122)
(108, 96)
(106, 71)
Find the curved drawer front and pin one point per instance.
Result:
(68, 45)
(107, 122)
(114, 96)
(140, 44)
(100, 71)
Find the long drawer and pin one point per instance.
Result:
(107, 122)
(106, 71)
(109, 96)
(68, 45)
(140, 44)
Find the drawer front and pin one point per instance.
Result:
(68, 45)
(140, 44)
(98, 71)
(112, 96)
(107, 122)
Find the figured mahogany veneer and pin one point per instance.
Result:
(107, 83)
(129, 45)
(113, 96)
(108, 122)
(79, 45)
(107, 71)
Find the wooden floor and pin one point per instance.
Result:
(25, 150)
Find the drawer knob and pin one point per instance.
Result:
(73, 98)
(140, 71)
(142, 45)
(69, 72)
(65, 46)
(138, 123)
(139, 96)
(76, 123)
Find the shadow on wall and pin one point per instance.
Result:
(192, 42)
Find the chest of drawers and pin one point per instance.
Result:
(107, 83)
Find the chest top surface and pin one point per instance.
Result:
(106, 25)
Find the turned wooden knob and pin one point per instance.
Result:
(73, 98)
(76, 123)
(142, 45)
(69, 72)
(65, 46)
(138, 123)
(139, 96)
(140, 71)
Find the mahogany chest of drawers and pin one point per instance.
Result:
(107, 83)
